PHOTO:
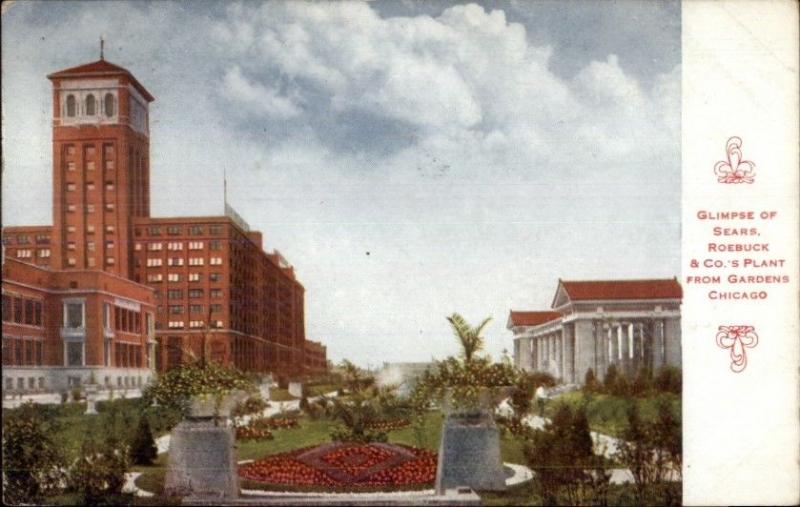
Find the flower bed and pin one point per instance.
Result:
(280, 423)
(258, 429)
(386, 426)
(346, 466)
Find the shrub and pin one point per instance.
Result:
(76, 394)
(99, 474)
(668, 379)
(643, 382)
(521, 400)
(590, 383)
(610, 380)
(254, 404)
(562, 458)
(32, 462)
(143, 447)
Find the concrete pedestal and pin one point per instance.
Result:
(202, 461)
(469, 454)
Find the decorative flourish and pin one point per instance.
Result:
(737, 338)
(734, 169)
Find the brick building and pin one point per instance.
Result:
(212, 288)
(316, 360)
(594, 324)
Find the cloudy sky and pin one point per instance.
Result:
(410, 159)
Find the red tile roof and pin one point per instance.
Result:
(101, 68)
(531, 318)
(623, 289)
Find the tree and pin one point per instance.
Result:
(32, 462)
(143, 447)
(470, 337)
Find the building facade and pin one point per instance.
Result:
(632, 324)
(207, 285)
(63, 328)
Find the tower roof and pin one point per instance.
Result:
(101, 68)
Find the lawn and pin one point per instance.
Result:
(279, 394)
(608, 414)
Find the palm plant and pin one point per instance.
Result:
(470, 337)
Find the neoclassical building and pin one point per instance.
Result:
(593, 324)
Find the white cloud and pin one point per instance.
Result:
(257, 98)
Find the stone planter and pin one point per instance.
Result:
(469, 453)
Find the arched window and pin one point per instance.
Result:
(70, 105)
(90, 106)
(109, 104)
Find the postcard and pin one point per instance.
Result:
(444, 252)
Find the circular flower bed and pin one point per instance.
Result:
(346, 466)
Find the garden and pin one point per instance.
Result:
(366, 438)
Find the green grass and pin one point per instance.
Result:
(278, 394)
(321, 389)
(608, 414)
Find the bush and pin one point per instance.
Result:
(32, 462)
(562, 458)
(669, 379)
(643, 382)
(610, 380)
(590, 383)
(76, 394)
(254, 404)
(143, 447)
(99, 474)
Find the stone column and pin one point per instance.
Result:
(569, 355)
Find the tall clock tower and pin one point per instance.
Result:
(101, 166)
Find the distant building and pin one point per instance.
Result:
(316, 360)
(593, 324)
(205, 284)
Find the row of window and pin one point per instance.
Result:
(177, 245)
(71, 261)
(177, 230)
(128, 355)
(25, 253)
(109, 165)
(72, 187)
(177, 277)
(22, 351)
(153, 262)
(179, 309)
(23, 239)
(193, 293)
(89, 208)
(194, 324)
(90, 228)
(22, 310)
(91, 106)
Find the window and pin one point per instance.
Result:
(154, 246)
(108, 104)
(91, 262)
(175, 309)
(71, 261)
(195, 293)
(90, 208)
(195, 308)
(154, 231)
(90, 165)
(216, 308)
(73, 315)
(173, 230)
(109, 165)
(42, 239)
(70, 166)
(196, 230)
(175, 261)
(109, 244)
(90, 186)
(215, 277)
(90, 228)
(194, 277)
(29, 312)
(215, 244)
(196, 323)
(71, 107)
(176, 324)
(215, 230)
(24, 254)
(89, 246)
(196, 261)
(7, 308)
(110, 260)
(90, 105)
(109, 186)
(109, 206)
(215, 261)
(109, 228)
(174, 277)
(70, 187)
(195, 245)
(70, 228)
(44, 253)
(215, 293)
(216, 324)
(175, 294)
(154, 262)
(37, 313)
(154, 278)
(175, 245)
(74, 354)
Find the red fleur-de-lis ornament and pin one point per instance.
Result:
(734, 169)
(737, 339)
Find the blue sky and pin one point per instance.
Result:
(410, 159)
